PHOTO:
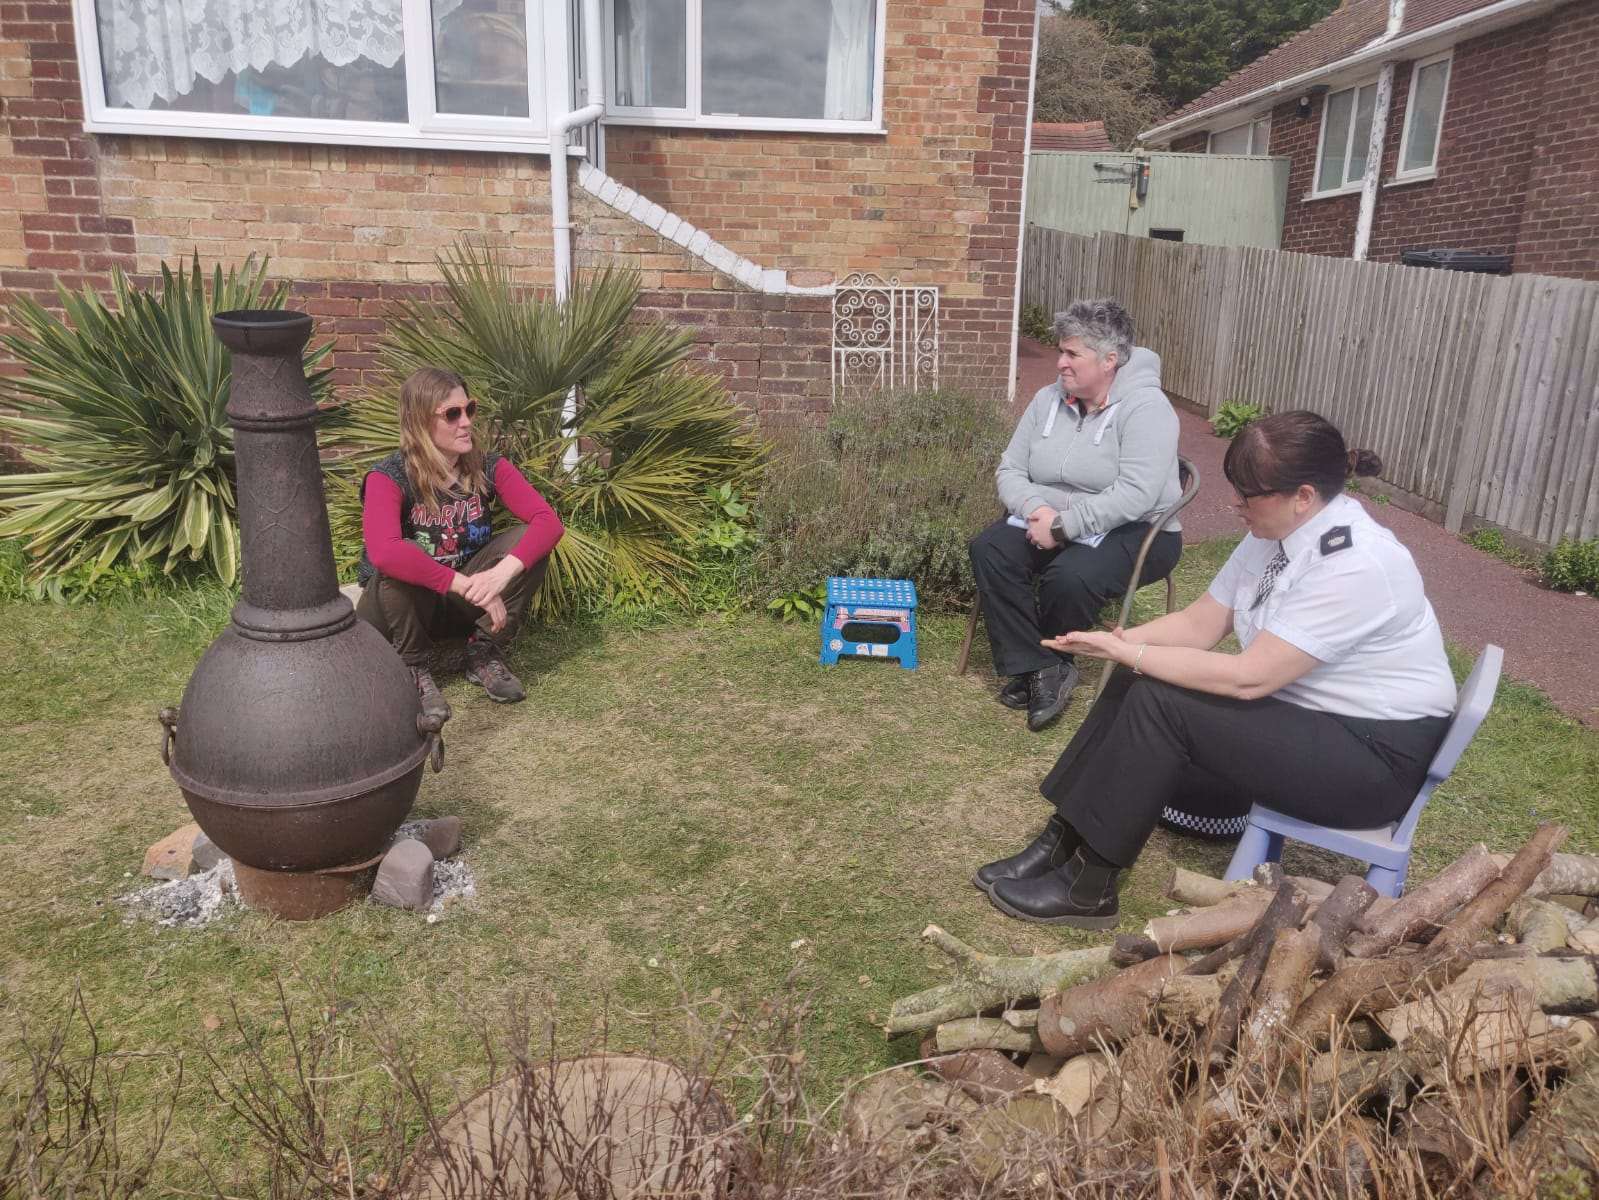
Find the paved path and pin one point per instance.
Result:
(1551, 639)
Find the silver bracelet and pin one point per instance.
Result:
(1140, 657)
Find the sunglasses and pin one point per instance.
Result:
(453, 414)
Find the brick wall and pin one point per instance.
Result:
(1310, 226)
(1193, 143)
(1560, 222)
(935, 200)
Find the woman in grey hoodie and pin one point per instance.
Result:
(1092, 462)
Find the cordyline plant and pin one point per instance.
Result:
(628, 473)
(120, 418)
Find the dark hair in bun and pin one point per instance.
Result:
(1281, 452)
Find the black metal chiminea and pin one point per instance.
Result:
(300, 742)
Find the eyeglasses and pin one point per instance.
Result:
(453, 414)
(1243, 501)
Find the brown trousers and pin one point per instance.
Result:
(413, 617)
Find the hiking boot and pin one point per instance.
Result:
(433, 702)
(486, 668)
(1048, 693)
(1081, 894)
(1014, 693)
(1049, 850)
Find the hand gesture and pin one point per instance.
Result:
(1038, 527)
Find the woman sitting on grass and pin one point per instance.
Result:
(1331, 713)
(432, 565)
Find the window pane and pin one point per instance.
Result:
(1230, 141)
(279, 58)
(480, 57)
(801, 58)
(1426, 103)
(1334, 141)
(1261, 141)
(651, 53)
(1362, 138)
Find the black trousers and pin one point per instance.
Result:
(1145, 742)
(1072, 584)
(414, 617)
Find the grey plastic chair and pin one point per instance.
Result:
(1188, 479)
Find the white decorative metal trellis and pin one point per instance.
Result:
(884, 334)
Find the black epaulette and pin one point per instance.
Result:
(1335, 539)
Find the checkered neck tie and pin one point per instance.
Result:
(1269, 577)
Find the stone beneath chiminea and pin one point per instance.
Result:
(173, 856)
(405, 877)
(205, 853)
(442, 835)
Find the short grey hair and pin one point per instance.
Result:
(1103, 325)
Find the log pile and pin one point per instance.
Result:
(1434, 1031)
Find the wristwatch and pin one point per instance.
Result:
(1057, 530)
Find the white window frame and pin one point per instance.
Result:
(691, 114)
(427, 128)
(1252, 123)
(1344, 189)
(1430, 171)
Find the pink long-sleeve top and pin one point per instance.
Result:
(438, 541)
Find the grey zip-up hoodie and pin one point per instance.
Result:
(1097, 471)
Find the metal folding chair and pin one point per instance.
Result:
(1188, 478)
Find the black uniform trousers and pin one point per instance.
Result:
(1145, 743)
(1073, 583)
(414, 617)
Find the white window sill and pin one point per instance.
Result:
(1416, 177)
(400, 138)
(1351, 189)
(762, 124)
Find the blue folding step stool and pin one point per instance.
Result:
(870, 618)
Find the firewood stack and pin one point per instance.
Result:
(1285, 1024)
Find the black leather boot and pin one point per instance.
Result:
(1050, 849)
(1080, 894)
(1015, 693)
(1049, 692)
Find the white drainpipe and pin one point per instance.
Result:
(560, 201)
(1371, 178)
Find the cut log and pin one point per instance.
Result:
(1189, 1001)
(1424, 907)
(1286, 911)
(983, 1075)
(1130, 949)
(1337, 915)
(1111, 1010)
(1586, 939)
(1539, 925)
(1207, 927)
(1479, 913)
(1559, 1136)
(1212, 961)
(991, 981)
(1293, 957)
(1566, 984)
(1202, 891)
(1073, 1085)
(984, 1033)
(1566, 875)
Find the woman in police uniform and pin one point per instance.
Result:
(1331, 712)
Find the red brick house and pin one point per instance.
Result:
(1425, 124)
(744, 157)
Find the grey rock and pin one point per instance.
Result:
(442, 835)
(206, 853)
(405, 877)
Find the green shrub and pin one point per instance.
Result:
(1231, 418)
(1573, 566)
(651, 433)
(120, 419)
(1036, 324)
(894, 486)
(1492, 541)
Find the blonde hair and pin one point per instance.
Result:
(420, 396)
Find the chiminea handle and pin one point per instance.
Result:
(169, 730)
(431, 725)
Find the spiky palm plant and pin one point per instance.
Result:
(650, 432)
(120, 416)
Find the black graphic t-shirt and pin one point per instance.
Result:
(460, 527)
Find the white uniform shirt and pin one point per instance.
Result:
(1351, 598)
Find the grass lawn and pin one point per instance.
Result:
(672, 811)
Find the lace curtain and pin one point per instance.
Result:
(156, 49)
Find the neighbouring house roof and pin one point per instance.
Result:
(1070, 135)
(1345, 38)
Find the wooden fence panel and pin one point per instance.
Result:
(1481, 394)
